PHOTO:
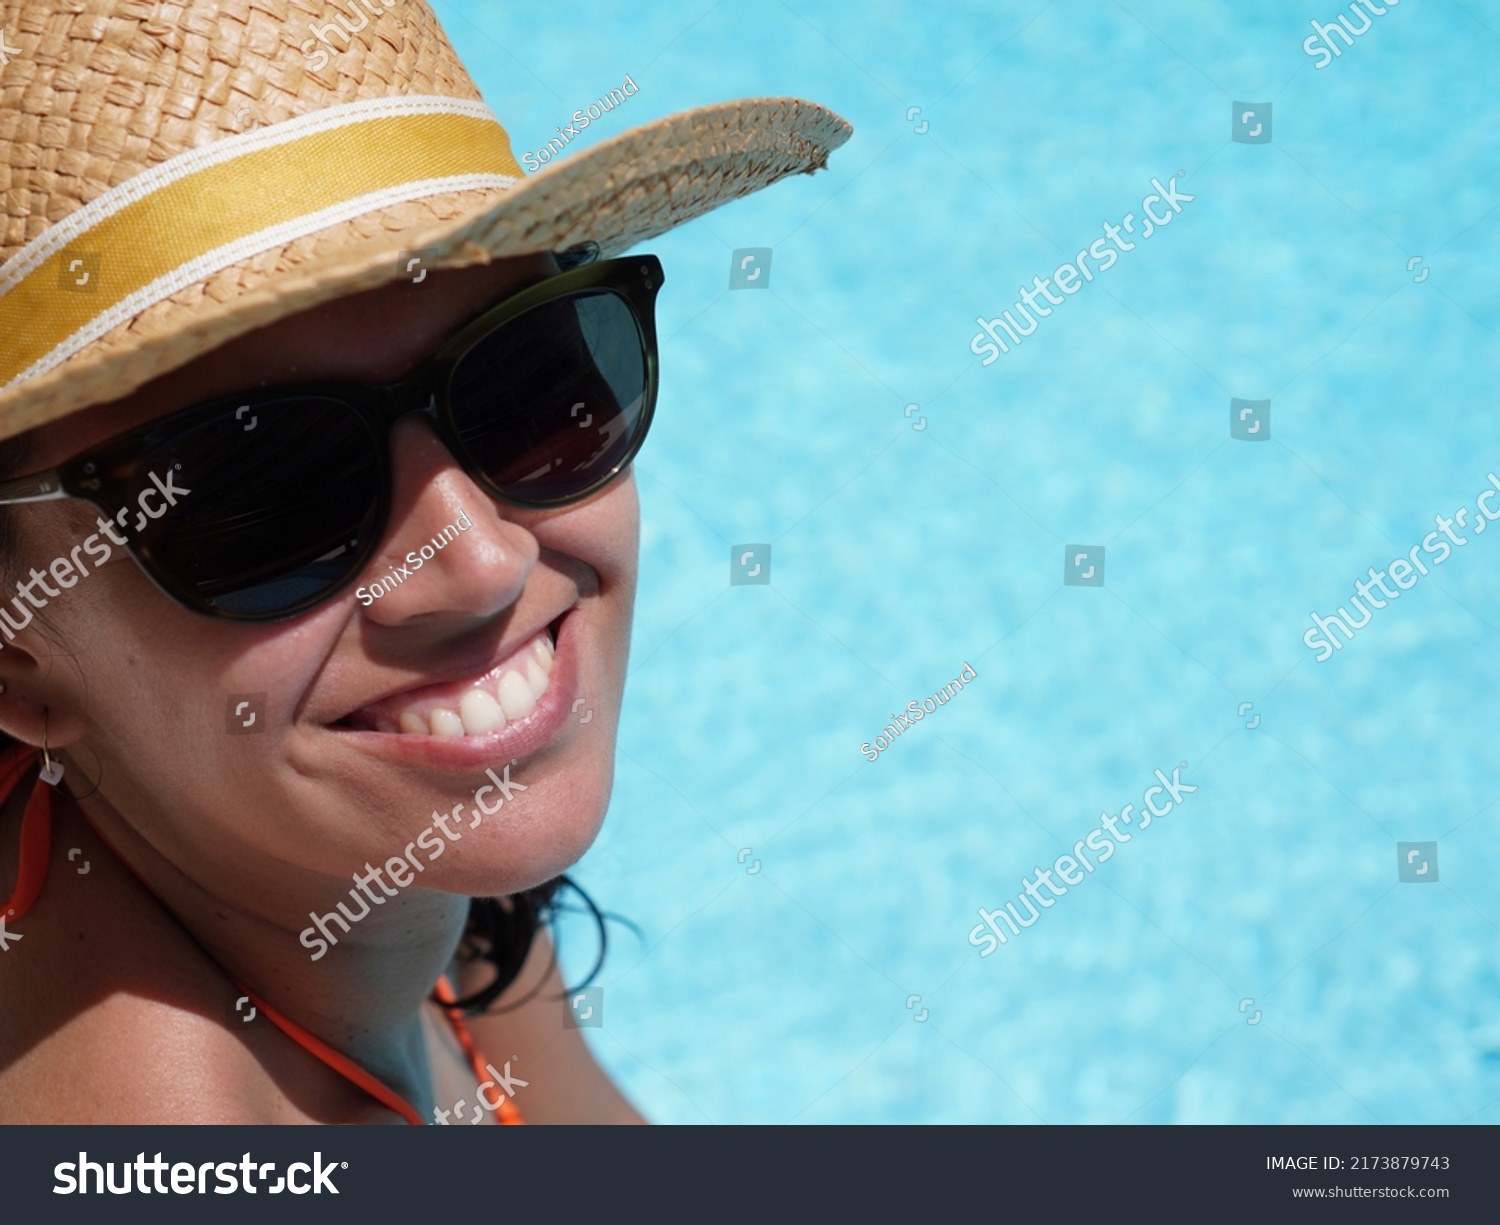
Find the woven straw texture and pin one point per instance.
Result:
(101, 90)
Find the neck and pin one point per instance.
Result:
(362, 996)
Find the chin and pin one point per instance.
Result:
(534, 837)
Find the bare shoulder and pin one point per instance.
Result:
(564, 1083)
(111, 1014)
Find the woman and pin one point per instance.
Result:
(318, 516)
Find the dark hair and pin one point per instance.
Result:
(500, 930)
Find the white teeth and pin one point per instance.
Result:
(516, 696)
(480, 713)
(536, 677)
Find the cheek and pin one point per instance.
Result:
(603, 535)
(606, 535)
(137, 646)
(606, 532)
(175, 704)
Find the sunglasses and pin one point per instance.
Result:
(268, 503)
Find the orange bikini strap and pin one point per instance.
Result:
(36, 831)
(335, 1059)
(508, 1112)
(36, 854)
(313, 1045)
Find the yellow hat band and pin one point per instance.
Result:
(205, 210)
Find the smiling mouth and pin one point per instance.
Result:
(506, 694)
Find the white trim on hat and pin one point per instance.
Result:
(252, 244)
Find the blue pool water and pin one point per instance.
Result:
(1252, 957)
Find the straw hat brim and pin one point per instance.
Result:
(614, 195)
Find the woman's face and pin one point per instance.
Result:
(369, 723)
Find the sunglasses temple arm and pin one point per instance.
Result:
(38, 487)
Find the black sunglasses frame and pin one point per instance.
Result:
(107, 473)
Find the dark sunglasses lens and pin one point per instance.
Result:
(276, 502)
(554, 401)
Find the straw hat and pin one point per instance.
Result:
(175, 174)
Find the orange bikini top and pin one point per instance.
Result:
(36, 855)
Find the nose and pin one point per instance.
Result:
(448, 555)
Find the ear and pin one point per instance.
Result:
(34, 698)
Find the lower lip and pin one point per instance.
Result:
(512, 742)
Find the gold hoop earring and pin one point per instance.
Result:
(52, 771)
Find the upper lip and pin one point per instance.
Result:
(458, 671)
